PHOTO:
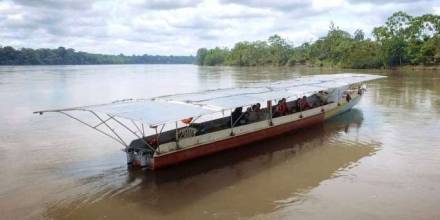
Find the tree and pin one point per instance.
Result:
(359, 35)
(61, 55)
(300, 55)
(394, 37)
(403, 39)
(201, 54)
(279, 50)
(216, 56)
(430, 51)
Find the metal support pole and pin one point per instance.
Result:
(239, 118)
(339, 98)
(163, 126)
(100, 123)
(232, 126)
(137, 127)
(134, 133)
(269, 107)
(100, 131)
(177, 136)
(108, 126)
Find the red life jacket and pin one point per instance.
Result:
(282, 108)
(304, 104)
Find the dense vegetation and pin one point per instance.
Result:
(61, 56)
(403, 39)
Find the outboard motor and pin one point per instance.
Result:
(140, 158)
(130, 155)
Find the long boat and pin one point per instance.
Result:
(185, 126)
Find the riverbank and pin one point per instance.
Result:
(68, 56)
(403, 67)
(339, 69)
(418, 67)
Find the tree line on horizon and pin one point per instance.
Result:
(402, 40)
(63, 56)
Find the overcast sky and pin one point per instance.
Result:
(180, 27)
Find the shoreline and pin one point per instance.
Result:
(403, 67)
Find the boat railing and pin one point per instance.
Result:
(239, 130)
(194, 131)
(197, 129)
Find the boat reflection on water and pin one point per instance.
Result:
(239, 183)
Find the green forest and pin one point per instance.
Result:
(63, 56)
(402, 40)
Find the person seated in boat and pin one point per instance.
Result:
(304, 104)
(153, 142)
(275, 112)
(245, 117)
(361, 90)
(254, 114)
(314, 101)
(250, 115)
(253, 107)
(323, 96)
(258, 110)
(348, 97)
(282, 108)
(201, 128)
(257, 107)
(236, 115)
(297, 105)
(285, 107)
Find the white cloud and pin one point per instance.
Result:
(182, 26)
(327, 4)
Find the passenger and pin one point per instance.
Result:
(282, 107)
(245, 118)
(348, 97)
(361, 90)
(257, 107)
(201, 128)
(314, 101)
(323, 96)
(276, 110)
(154, 142)
(286, 106)
(304, 104)
(253, 114)
(236, 114)
(298, 105)
(258, 111)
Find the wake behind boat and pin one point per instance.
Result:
(191, 125)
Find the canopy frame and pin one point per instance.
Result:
(203, 103)
(112, 134)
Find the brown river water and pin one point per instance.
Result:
(381, 160)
